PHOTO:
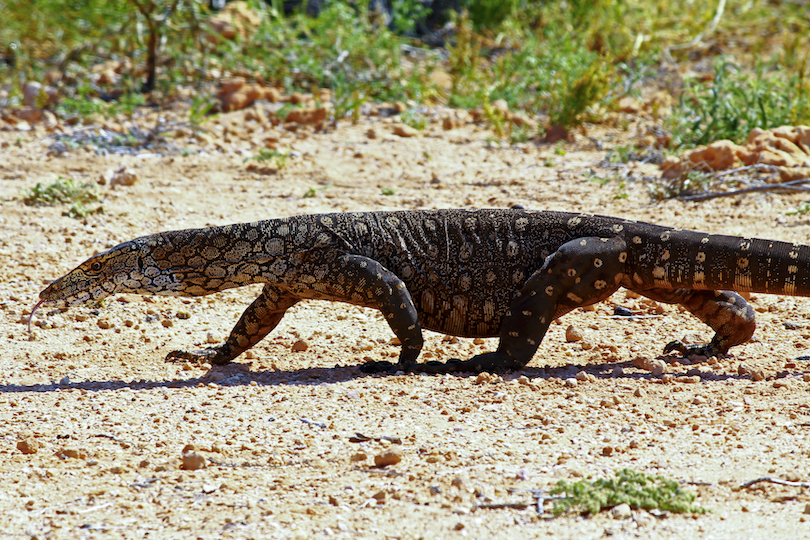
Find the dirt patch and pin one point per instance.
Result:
(102, 436)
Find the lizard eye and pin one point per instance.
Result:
(95, 267)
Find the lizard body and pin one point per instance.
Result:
(471, 273)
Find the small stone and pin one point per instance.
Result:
(300, 346)
(667, 378)
(621, 511)
(119, 176)
(117, 469)
(391, 457)
(457, 481)
(582, 376)
(167, 323)
(193, 461)
(28, 446)
(359, 456)
(483, 377)
(573, 334)
(571, 382)
(638, 392)
(607, 451)
(618, 371)
(404, 130)
(807, 508)
(104, 324)
(210, 337)
(658, 367)
(758, 374)
(458, 526)
(69, 453)
(379, 496)
(183, 315)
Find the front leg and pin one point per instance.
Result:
(258, 320)
(581, 272)
(363, 281)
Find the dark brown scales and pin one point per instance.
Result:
(472, 273)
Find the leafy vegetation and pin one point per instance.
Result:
(736, 102)
(64, 191)
(633, 488)
(565, 61)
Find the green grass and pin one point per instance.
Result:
(566, 61)
(64, 191)
(634, 488)
(274, 158)
(735, 102)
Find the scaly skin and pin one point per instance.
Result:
(472, 273)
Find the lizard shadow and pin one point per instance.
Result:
(240, 374)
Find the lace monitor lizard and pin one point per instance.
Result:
(471, 273)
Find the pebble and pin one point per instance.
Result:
(392, 457)
(573, 334)
(618, 371)
(104, 324)
(193, 461)
(211, 337)
(28, 446)
(359, 456)
(403, 130)
(621, 511)
(300, 346)
(69, 453)
(571, 382)
(758, 374)
(658, 367)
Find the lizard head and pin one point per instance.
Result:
(128, 267)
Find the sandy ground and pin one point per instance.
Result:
(276, 430)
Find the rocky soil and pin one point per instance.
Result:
(101, 438)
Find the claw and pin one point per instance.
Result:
(701, 349)
(211, 355)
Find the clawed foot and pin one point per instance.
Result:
(212, 355)
(701, 349)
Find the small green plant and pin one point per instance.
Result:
(735, 102)
(415, 118)
(634, 488)
(519, 134)
(201, 105)
(802, 209)
(548, 162)
(559, 149)
(576, 94)
(313, 191)
(274, 158)
(621, 192)
(388, 191)
(621, 154)
(64, 191)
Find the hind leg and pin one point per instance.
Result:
(581, 272)
(726, 312)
